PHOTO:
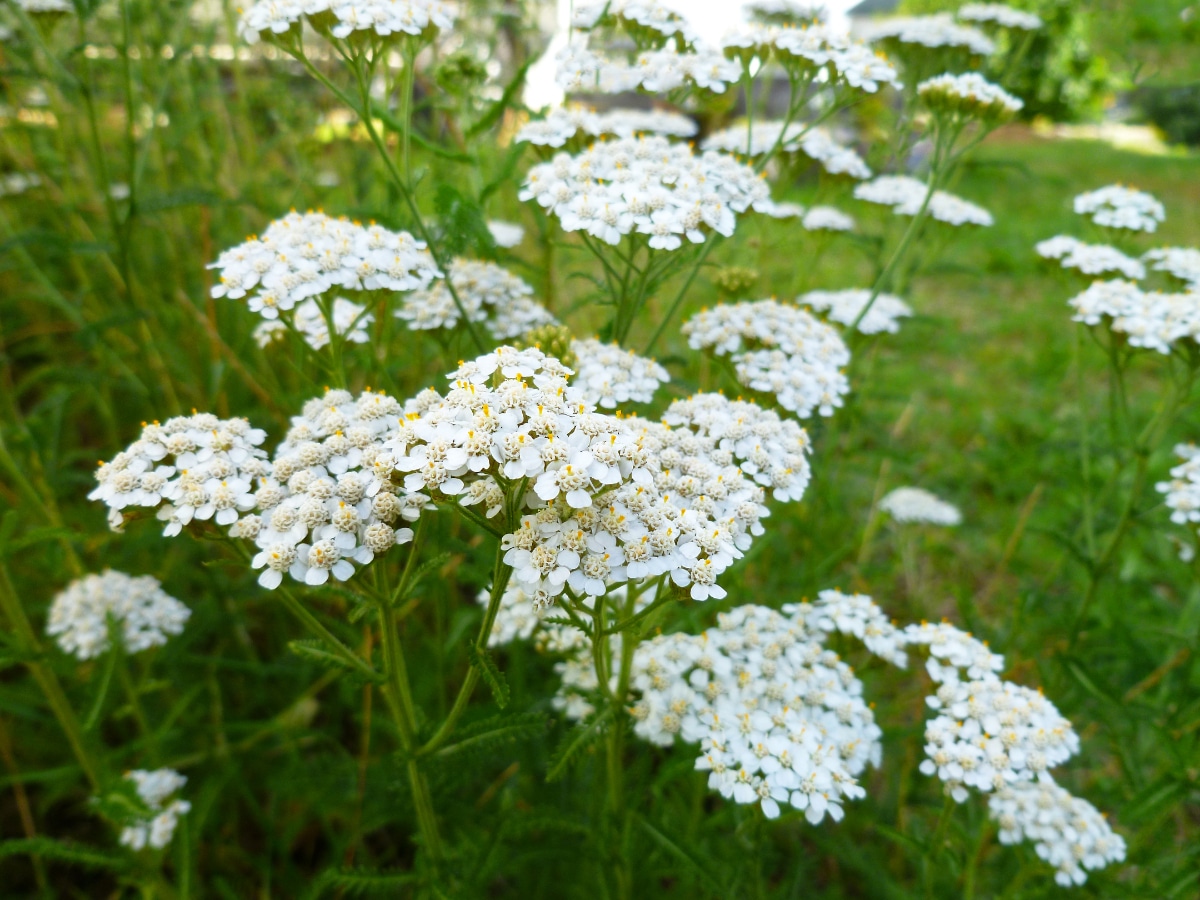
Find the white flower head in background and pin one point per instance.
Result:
(778, 349)
(906, 195)
(844, 307)
(562, 124)
(145, 613)
(766, 137)
(267, 19)
(1151, 319)
(350, 321)
(827, 218)
(916, 505)
(795, 13)
(1181, 263)
(304, 255)
(1090, 259)
(969, 95)
(929, 32)
(15, 183)
(154, 789)
(1117, 206)
(489, 294)
(506, 234)
(1182, 492)
(1000, 15)
(647, 186)
(35, 7)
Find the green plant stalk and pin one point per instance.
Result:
(934, 850)
(46, 679)
(615, 741)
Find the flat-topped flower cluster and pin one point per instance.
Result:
(1182, 492)
(490, 295)
(144, 612)
(816, 143)
(906, 195)
(970, 95)
(916, 505)
(304, 255)
(845, 307)
(1000, 15)
(646, 186)
(267, 19)
(154, 789)
(1090, 259)
(1118, 206)
(563, 123)
(778, 349)
(929, 32)
(816, 52)
(1150, 319)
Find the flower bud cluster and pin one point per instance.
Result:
(1117, 206)
(844, 307)
(154, 790)
(905, 195)
(304, 255)
(490, 295)
(350, 321)
(815, 143)
(1066, 831)
(969, 95)
(146, 614)
(645, 185)
(779, 349)
(343, 18)
(779, 718)
(562, 124)
(189, 467)
(916, 505)
(1090, 259)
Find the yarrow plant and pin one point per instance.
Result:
(494, 412)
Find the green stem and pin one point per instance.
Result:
(712, 241)
(934, 850)
(313, 624)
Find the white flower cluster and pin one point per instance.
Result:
(562, 124)
(1183, 490)
(815, 52)
(350, 320)
(14, 183)
(858, 615)
(827, 218)
(305, 255)
(1182, 263)
(779, 718)
(147, 615)
(489, 294)
(999, 14)
(189, 467)
(934, 31)
(778, 349)
(788, 12)
(46, 6)
(1090, 259)
(609, 376)
(816, 143)
(968, 94)
(772, 451)
(154, 789)
(383, 17)
(656, 71)
(648, 14)
(329, 502)
(1150, 319)
(905, 195)
(647, 185)
(784, 210)
(911, 504)
(844, 307)
(1117, 206)
(506, 234)
(1067, 832)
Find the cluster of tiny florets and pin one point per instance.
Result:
(490, 294)
(916, 505)
(144, 612)
(1117, 206)
(343, 18)
(1090, 259)
(778, 349)
(1000, 15)
(350, 322)
(844, 307)
(1182, 492)
(1149, 319)
(929, 32)
(562, 124)
(778, 137)
(304, 255)
(969, 94)
(610, 376)
(195, 467)
(154, 789)
(906, 195)
(1181, 263)
(816, 52)
(645, 185)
